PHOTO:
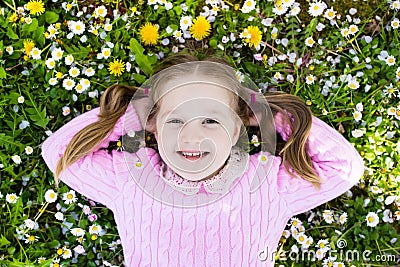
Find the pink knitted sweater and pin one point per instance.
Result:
(242, 228)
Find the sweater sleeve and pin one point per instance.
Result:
(335, 161)
(92, 175)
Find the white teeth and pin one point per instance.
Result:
(188, 154)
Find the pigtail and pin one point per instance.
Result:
(298, 117)
(113, 105)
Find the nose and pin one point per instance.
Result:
(192, 132)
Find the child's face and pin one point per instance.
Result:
(196, 129)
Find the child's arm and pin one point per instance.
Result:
(93, 175)
(335, 161)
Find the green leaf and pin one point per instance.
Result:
(51, 17)
(3, 241)
(139, 78)
(142, 60)
(135, 47)
(38, 36)
(11, 34)
(27, 28)
(3, 73)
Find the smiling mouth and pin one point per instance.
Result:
(193, 156)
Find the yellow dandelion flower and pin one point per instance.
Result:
(255, 36)
(149, 34)
(36, 7)
(28, 46)
(200, 28)
(13, 17)
(116, 67)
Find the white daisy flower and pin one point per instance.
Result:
(50, 63)
(248, 6)
(323, 245)
(390, 60)
(30, 239)
(50, 196)
(53, 81)
(330, 13)
(391, 111)
(138, 165)
(316, 9)
(185, 22)
(52, 31)
(278, 76)
(35, 53)
(95, 229)
(395, 23)
(16, 159)
(68, 84)
(12, 198)
(279, 10)
(320, 254)
(345, 32)
(310, 42)
(301, 238)
(85, 83)
(100, 11)
(328, 216)
(372, 219)
(57, 54)
(69, 197)
(89, 72)
(74, 72)
(28, 150)
(9, 50)
(353, 84)
(353, 29)
(69, 59)
(77, 27)
(295, 10)
(357, 115)
(66, 111)
(343, 218)
(77, 231)
(263, 159)
(338, 264)
(21, 99)
(395, 5)
(107, 27)
(357, 133)
(375, 189)
(288, 3)
(310, 79)
(308, 242)
(66, 253)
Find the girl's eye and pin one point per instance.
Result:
(174, 121)
(211, 121)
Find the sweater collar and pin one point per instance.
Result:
(220, 183)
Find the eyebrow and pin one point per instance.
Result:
(172, 112)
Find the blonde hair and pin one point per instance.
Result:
(116, 98)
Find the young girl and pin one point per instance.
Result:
(197, 197)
